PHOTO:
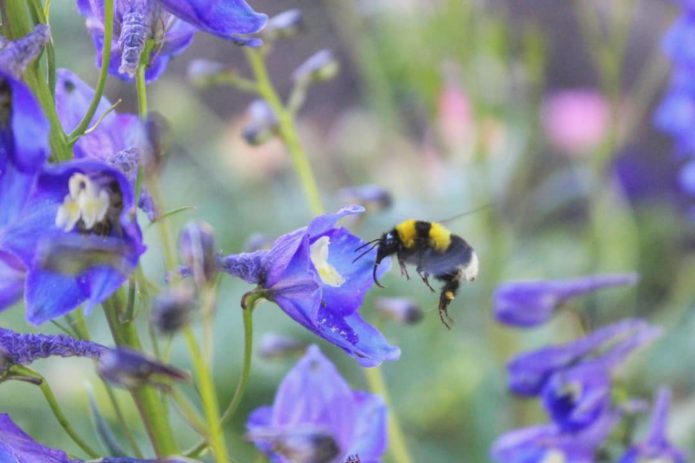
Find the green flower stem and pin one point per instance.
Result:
(188, 411)
(288, 133)
(397, 448)
(206, 388)
(50, 50)
(127, 431)
(152, 409)
(287, 129)
(19, 22)
(248, 305)
(55, 408)
(103, 75)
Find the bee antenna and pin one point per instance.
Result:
(365, 252)
(364, 245)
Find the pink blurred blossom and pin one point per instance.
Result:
(575, 121)
(455, 117)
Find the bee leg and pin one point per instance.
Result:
(448, 294)
(425, 278)
(404, 270)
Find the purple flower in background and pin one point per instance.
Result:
(656, 447)
(676, 113)
(115, 133)
(578, 395)
(16, 55)
(171, 24)
(316, 416)
(531, 303)
(311, 275)
(23, 349)
(529, 372)
(548, 443)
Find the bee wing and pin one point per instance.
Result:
(459, 254)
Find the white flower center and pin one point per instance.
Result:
(573, 390)
(85, 201)
(554, 456)
(319, 257)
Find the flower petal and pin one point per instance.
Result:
(224, 18)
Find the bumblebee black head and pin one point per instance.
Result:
(388, 244)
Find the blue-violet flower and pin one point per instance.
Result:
(531, 303)
(317, 415)
(170, 24)
(311, 275)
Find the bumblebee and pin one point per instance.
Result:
(434, 251)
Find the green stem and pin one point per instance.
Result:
(152, 410)
(140, 83)
(55, 408)
(121, 420)
(208, 395)
(20, 24)
(397, 447)
(249, 305)
(103, 75)
(50, 49)
(287, 129)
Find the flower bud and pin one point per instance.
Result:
(16, 55)
(372, 197)
(300, 445)
(131, 369)
(319, 67)
(400, 310)
(197, 251)
(283, 25)
(159, 138)
(203, 72)
(263, 125)
(275, 346)
(257, 242)
(173, 308)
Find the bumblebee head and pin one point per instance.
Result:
(386, 245)
(389, 244)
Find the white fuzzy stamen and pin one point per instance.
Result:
(85, 201)
(319, 257)
(554, 456)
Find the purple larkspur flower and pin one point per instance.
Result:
(531, 303)
(67, 232)
(198, 252)
(16, 446)
(316, 414)
(77, 237)
(656, 446)
(311, 275)
(549, 444)
(121, 140)
(24, 348)
(171, 24)
(115, 131)
(16, 55)
(530, 371)
(577, 396)
(372, 197)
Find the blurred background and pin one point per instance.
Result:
(541, 110)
